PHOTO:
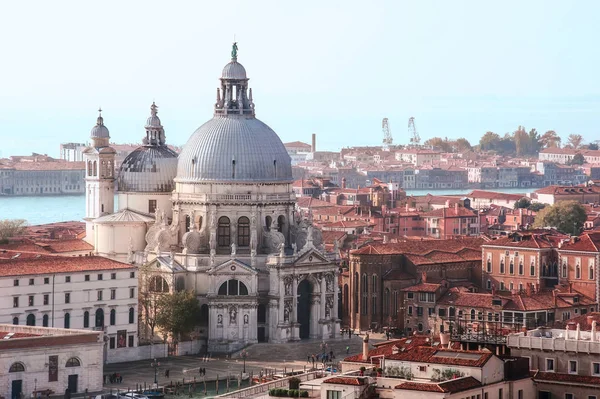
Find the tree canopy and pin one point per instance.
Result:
(177, 313)
(11, 227)
(575, 140)
(567, 217)
(549, 139)
(523, 203)
(578, 159)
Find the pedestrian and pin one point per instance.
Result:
(347, 349)
(308, 358)
(167, 371)
(331, 354)
(120, 379)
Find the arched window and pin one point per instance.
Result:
(532, 269)
(502, 266)
(100, 317)
(67, 320)
(386, 301)
(73, 362)
(355, 293)
(365, 284)
(472, 314)
(16, 321)
(374, 283)
(180, 284)
(489, 285)
(86, 319)
(564, 269)
(489, 265)
(395, 302)
(16, 367)
(95, 169)
(223, 232)
(511, 267)
(243, 232)
(280, 223)
(591, 270)
(45, 320)
(233, 287)
(112, 317)
(89, 168)
(158, 284)
(31, 319)
(187, 223)
(268, 222)
(131, 315)
(521, 271)
(577, 270)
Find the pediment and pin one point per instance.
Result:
(233, 266)
(310, 257)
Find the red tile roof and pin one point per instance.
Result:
(584, 321)
(568, 190)
(422, 287)
(345, 381)
(451, 357)
(421, 247)
(495, 195)
(450, 213)
(587, 242)
(17, 335)
(450, 386)
(561, 378)
(549, 239)
(57, 264)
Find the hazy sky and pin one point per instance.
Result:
(335, 68)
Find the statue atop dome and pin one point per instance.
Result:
(234, 49)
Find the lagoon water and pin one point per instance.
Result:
(40, 210)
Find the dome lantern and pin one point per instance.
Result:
(99, 134)
(232, 96)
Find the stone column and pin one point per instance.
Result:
(281, 300)
(294, 315)
(323, 297)
(336, 289)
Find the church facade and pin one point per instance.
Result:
(220, 219)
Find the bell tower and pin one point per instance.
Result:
(99, 177)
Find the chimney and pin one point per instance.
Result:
(313, 147)
(447, 203)
(343, 182)
(493, 289)
(424, 277)
(593, 337)
(554, 297)
(365, 354)
(456, 208)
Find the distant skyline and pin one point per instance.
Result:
(336, 69)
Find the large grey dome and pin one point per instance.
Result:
(148, 169)
(234, 148)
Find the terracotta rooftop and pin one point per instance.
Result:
(584, 321)
(57, 264)
(450, 386)
(345, 381)
(451, 357)
(424, 247)
(47, 246)
(401, 345)
(493, 195)
(310, 202)
(568, 190)
(534, 240)
(422, 287)
(587, 242)
(450, 212)
(18, 335)
(561, 378)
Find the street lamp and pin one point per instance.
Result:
(244, 355)
(155, 364)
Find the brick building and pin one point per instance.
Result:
(372, 293)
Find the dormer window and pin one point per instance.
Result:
(575, 299)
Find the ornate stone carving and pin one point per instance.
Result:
(233, 249)
(328, 305)
(233, 315)
(246, 319)
(287, 310)
(329, 282)
(287, 282)
(191, 242)
(220, 319)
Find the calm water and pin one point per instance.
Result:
(40, 210)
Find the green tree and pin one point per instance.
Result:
(575, 140)
(592, 146)
(567, 217)
(522, 141)
(463, 145)
(578, 159)
(11, 228)
(536, 206)
(178, 313)
(440, 143)
(489, 141)
(506, 145)
(549, 139)
(534, 139)
(523, 203)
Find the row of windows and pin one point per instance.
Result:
(98, 319)
(573, 367)
(46, 297)
(19, 367)
(87, 277)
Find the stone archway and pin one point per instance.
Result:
(305, 292)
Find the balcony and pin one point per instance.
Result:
(553, 343)
(241, 198)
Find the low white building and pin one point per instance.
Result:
(49, 360)
(84, 292)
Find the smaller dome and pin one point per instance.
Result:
(153, 120)
(234, 70)
(148, 169)
(99, 131)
